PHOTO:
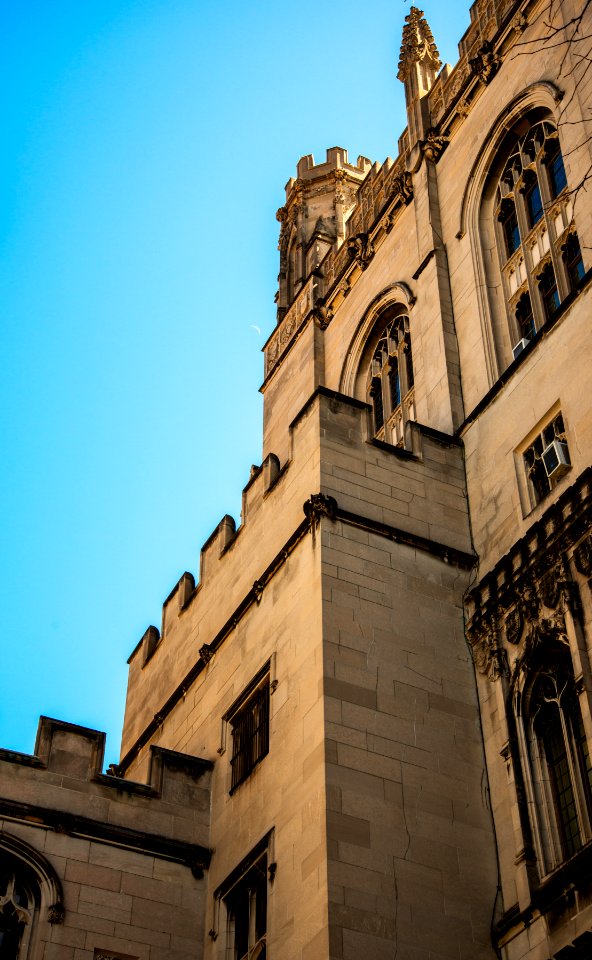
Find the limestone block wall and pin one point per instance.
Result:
(553, 374)
(407, 806)
(412, 869)
(120, 864)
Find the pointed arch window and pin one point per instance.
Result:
(557, 759)
(391, 382)
(17, 906)
(540, 263)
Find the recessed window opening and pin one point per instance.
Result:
(540, 263)
(250, 733)
(391, 382)
(558, 759)
(546, 460)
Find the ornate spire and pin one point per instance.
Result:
(418, 45)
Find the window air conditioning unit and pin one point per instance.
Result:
(520, 346)
(556, 459)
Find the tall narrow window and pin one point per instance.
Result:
(525, 318)
(250, 733)
(549, 293)
(558, 762)
(572, 256)
(534, 203)
(556, 171)
(509, 222)
(391, 382)
(244, 897)
(540, 264)
(394, 382)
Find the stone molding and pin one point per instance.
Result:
(522, 602)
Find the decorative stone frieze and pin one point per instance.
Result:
(525, 598)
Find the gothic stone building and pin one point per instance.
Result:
(365, 730)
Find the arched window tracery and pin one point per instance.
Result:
(539, 252)
(17, 907)
(390, 384)
(557, 759)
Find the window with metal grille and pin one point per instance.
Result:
(250, 733)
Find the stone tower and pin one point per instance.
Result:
(364, 727)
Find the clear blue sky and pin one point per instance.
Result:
(146, 144)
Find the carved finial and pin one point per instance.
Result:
(418, 45)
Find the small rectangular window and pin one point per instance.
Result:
(249, 724)
(546, 459)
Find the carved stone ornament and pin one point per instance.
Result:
(258, 588)
(361, 249)
(56, 913)
(514, 625)
(519, 23)
(488, 656)
(206, 653)
(417, 44)
(322, 314)
(583, 557)
(433, 146)
(550, 587)
(403, 185)
(281, 215)
(387, 223)
(462, 108)
(486, 63)
(319, 505)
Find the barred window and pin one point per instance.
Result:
(250, 733)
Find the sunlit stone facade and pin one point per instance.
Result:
(363, 727)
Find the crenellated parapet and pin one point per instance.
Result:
(313, 219)
(62, 789)
(495, 27)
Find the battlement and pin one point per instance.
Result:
(425, 507)
(337, 159)
(62, 787)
